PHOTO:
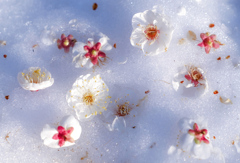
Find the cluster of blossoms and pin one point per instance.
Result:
(89, 95)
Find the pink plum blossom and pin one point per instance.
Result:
(92, 53)
(194, 75)
(63, 135)
(208, 42)
(193, 133)
(199, 135)
(66, 42)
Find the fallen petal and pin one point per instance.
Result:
(225, 100)
(3, 42)
(191, 35)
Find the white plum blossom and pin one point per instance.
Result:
(190, 82)
(152, 32)
(125, 106)
(91, 53)
(35, 78)
(89, 96)
(64, 135)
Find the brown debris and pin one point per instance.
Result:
(181, 41)
(115, 45)
(95, 6)
(34, 46)
(141, 100)
(85, 156)
(233, 142)
(7, 97)
(227, 57)
(153, 145)
(219, 58)
(211, 25)
(7, 136)
(146, 92)
(215, 92)
(5, 56)
(134, 127)
(181, 81)
(214, 137)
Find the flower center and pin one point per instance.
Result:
(35, 77)
(123, 110)
(209, 43)
(94, 52)
(151, 32)
(88, 98)
(196, 75)
(66, 42)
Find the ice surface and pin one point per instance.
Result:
(25, 113)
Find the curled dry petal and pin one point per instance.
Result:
(225, 100)
(3, 42)
(191, 35)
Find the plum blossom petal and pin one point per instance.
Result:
(139, 19)
(88, 96)
(151, 32)
(35, 78)
(203, 36)
(47, 134)
(201, 44)
(118, 124)
(216, 45)
(138, 37)
(79, 47)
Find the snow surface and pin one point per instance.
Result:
(25, 113)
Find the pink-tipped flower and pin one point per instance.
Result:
(194, 75)
(208, 42)
(194, 138)
(199, 135)
(92, 53)
(66, 42)
(64, 135)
